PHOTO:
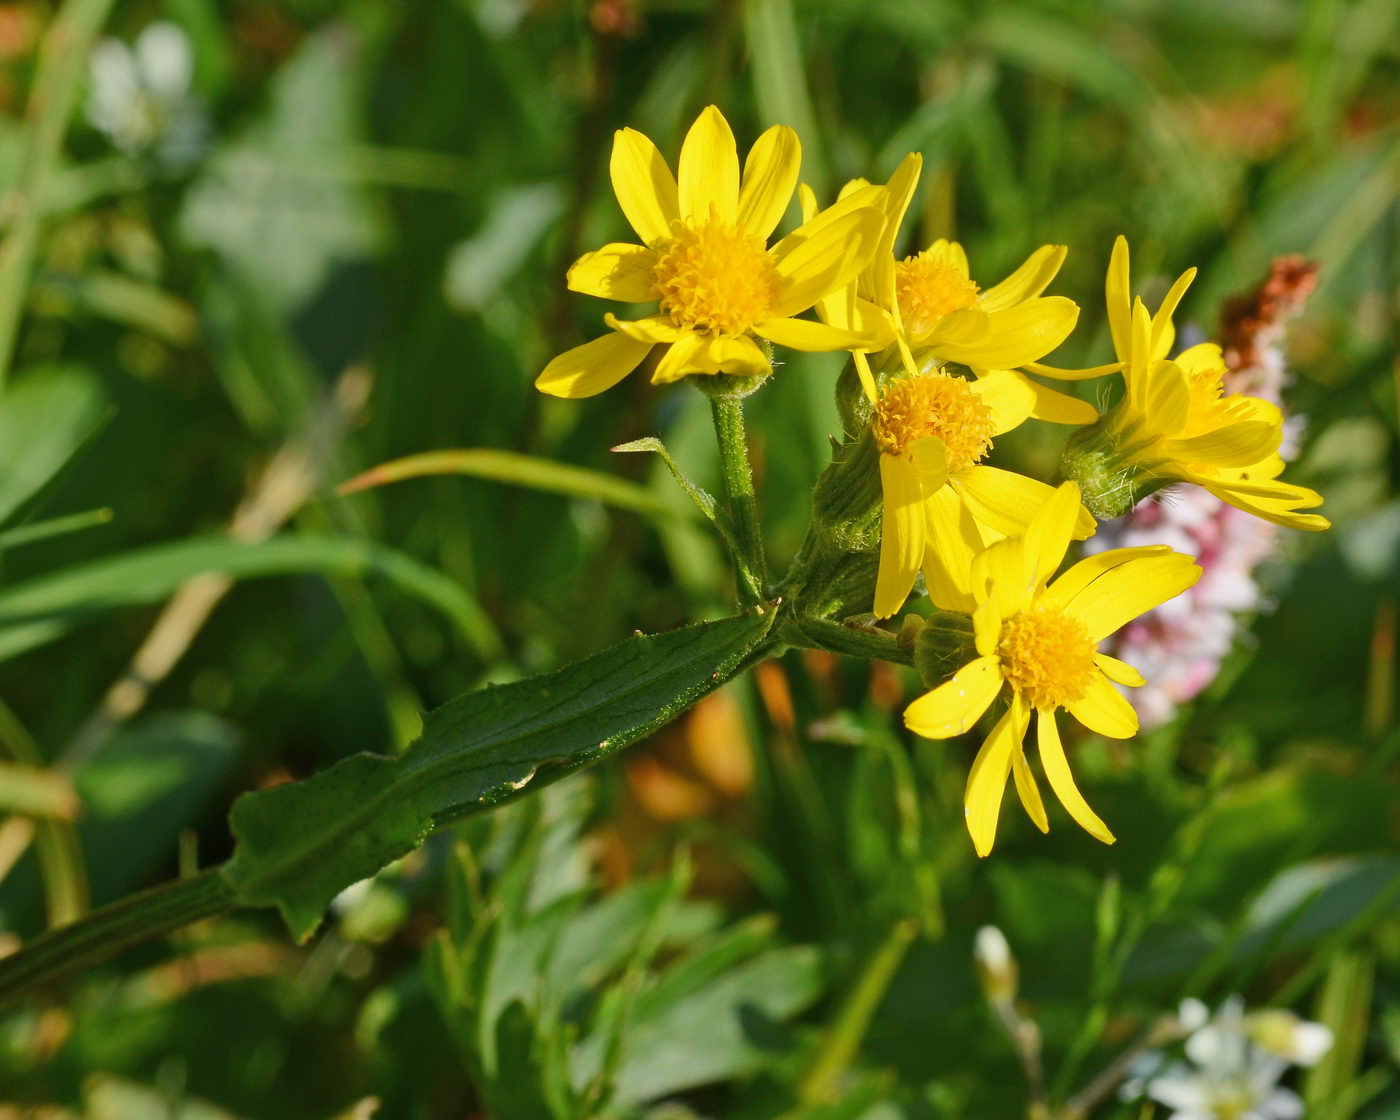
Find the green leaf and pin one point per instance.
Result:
(300, 844)
(521, 470)
(45, 418)
(45, 608)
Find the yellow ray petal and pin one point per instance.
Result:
(1081, 575)
(958, 703)
(1204, 357)
(589, 369)
(951, 544)
(1008, 395)
(1028, 281)
(1049, 532)
(654, 328)
(1119, 672)
(709, 170)
(1029, 791)
(986, 784)
(1235, 445)
(986, 628)
(1103, 709)
(1163, 332)
(644, 185)
(827, 253)
(1061, 374)
(1122, 593)
(880, 283)
(1006, 501)
(801, 334)
(770, 174)
(1057, 772)
(1055, 407)
(1002, 579)
(617, 271)
(1118, 295)
(1016, 335)
(682, 357)
(1277, 511)
(901, 534)
(736, 354)
(1166, 398)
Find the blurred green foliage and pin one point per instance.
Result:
(355, 253)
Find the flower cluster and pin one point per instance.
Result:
(940, 367)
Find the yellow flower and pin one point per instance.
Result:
(941, 503)
(1039, 643)
(930, 308)
(1177, 424)
(705, 259)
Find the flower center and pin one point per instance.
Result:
(713, 277)
(1207, 388)
(1047, 656)
(927, 290)
(935, 404)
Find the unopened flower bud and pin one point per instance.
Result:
(996, 967)
(1103, 460)
(943, 646)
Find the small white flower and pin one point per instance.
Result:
(140, 95)
(996, 967)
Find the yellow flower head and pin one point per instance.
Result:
(1177, 424)
(706, 262)
(1038, 642)
(941, 503)
(930, 309)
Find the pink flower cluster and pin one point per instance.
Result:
(1179, 646)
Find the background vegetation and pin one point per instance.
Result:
(346, 244)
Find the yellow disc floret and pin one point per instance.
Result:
(713, 277)
(935, 404)
(1047, 656)
(927, 290)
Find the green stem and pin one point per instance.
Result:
(728, 416)
(866, 643)
(818, 1084)
(63, 62)
(113, 928)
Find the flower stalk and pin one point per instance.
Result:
(727, 412)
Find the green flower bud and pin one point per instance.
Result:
(846, 502)
(943, 646)
(1104, 459)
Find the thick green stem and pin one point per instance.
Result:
(728, 415)
(108, 931)
(63, 59)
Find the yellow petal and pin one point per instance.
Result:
(1006, 502)
(1055, 407)
(617, 271)
(1008, 395)
(654, 328)
(1118, 296)
(807, 200)
(709, 170)
(826, 253)
(1028, 281)
(951, 544)
(1057, 772)
(958, 703)
(986, 628)
(1001, 578)
(1061, 374)
(1123, 592)
(901, 534)
(801, 334)
(1166, 398)
(736, 354)
(1029, 791)
(1163, 332)
(682, 357)
(1065, 589)
(900, 188)
(1204, 357)
(929, 457)
(1103, 709)
(770, 174)
(644, 185)
(1119, 672)
(1016, 335)
(1278, 510)
(986, 784)
(1049, 532)
(1235, 445)
(589, 369)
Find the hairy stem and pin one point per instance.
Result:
(107, 931)
(728, 416)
